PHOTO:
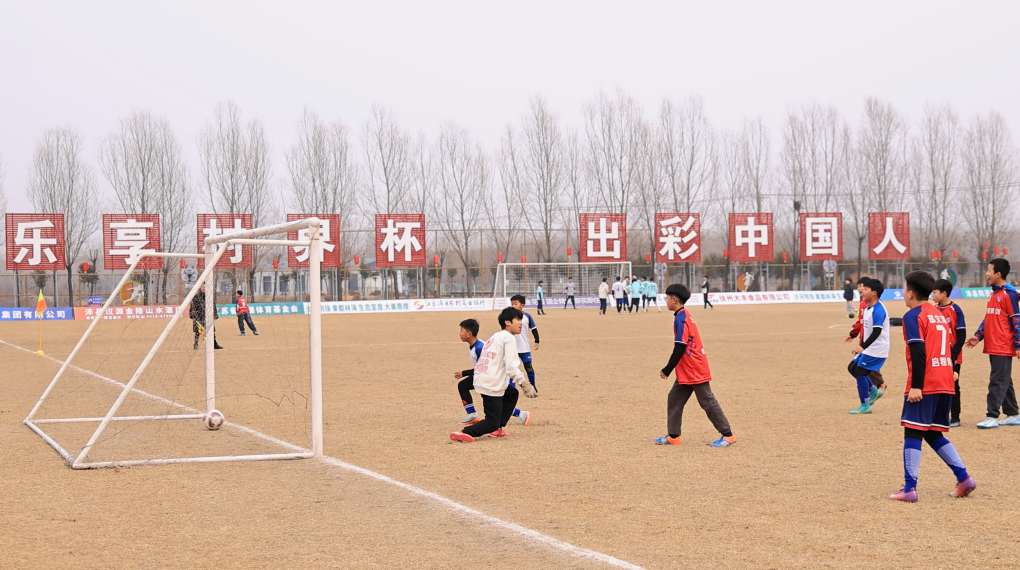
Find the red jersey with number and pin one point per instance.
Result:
(1001, 328)
(954, 314)
(925, 324)
(858, 328)
(242, 305)
(693, 366)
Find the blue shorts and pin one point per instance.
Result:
(872, 363)
(930, 414)
(524, 356)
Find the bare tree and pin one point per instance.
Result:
(61, 182)
(649, 197)
(502, 210)
(577, 193)
(990, 170)
(143, 163)
(463, 175)
(236, 171)
(933, 172)
(882, 147)
(542, 170)
(854, 202)
(756, 159)
(324, 173)
(610, 157)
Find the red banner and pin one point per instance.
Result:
(603, 238)
(329, 237)
(126, 236)
(751, 238)
(35, 242)
(211, 225)
(888, 235)
(821, 236)
(400, 240)
(677, 238)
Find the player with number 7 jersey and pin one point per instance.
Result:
(926, 324)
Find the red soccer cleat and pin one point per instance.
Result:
(461, 436)
(964, 488)
(498, 433)
(905, 496)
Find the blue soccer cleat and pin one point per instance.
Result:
(666, 440)
(724, 441)
(874, 395)
(864, 408)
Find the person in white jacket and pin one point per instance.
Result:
(497, 364)
(603, 295)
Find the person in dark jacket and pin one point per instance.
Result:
(848, 294)
(197, 312)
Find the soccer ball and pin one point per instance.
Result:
(213, 420)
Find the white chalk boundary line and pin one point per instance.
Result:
(534, 535)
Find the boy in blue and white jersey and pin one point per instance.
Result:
(652, 294)
(523, 346)
(469, 333)
(870, 355)
(540, 294)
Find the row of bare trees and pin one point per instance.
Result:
(956, 176)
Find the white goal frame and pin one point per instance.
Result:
(501, 289)
(211, 254)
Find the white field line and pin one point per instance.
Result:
(534, 535)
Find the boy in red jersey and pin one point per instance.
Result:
(929, 393)
(1001, 332)
(692, 374)
(954, 314)
(242, 314)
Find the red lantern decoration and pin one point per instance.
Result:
(499, 256)
(524, 259)
(784, 257)
(984, 256)
(726, 253)
(357, 260)
(956, 254)
(996, 250)
(648, 258)
(276, 264)
(986, 245)
(570, 251)
(435, 260)
(85, 266)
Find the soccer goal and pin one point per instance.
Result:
(137, 385)
(522, 278)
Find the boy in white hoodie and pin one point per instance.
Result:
(497, 363)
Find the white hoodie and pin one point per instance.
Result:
(498, 361)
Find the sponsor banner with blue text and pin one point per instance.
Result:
(256, 309)
(27, 314)
(128, 312)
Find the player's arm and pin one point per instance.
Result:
(679, 348)
(469, 373)
(534, 333)
(1014, 319)
(875, 333)
(979, 335)
(961, 333)
(918, 359)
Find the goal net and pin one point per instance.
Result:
(135, 388)
(523, 278)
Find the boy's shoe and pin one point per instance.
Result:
(461, 436)
(1010, 421)
(256, 333)
(964, 488)
(498, 433)
(218, 347)
(242, 334)
(864, 408)
(988, 423)
(874, 395)
(905, 496)
(724, 441)
(525, 418)
(470, 419)
(666, 440)
(954, 423)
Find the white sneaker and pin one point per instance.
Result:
(1010, 421)
(988, 423)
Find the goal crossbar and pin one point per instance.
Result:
(211, 256)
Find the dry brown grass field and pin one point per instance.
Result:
(805, 487)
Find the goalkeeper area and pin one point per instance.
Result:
(583, 486)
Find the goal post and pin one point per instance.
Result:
(522, 278)
(86, 378)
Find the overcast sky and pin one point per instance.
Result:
(88, 64)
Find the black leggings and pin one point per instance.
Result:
(570, 299)
(707, 302)
(464, 387)
(602, 305)
(874, 375)
(930, 436)
(498, 411)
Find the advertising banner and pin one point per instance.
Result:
(256, 309)
(603, 237)
(211, 225)
(888, 235)
(751, 238)
(28, 314)
(329, 237)
(126, 236)
(821, 236)
(120, 313)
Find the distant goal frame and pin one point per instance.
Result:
(213, 250)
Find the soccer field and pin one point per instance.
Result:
(805, 486)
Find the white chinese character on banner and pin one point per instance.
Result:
(303, 234)
(603, 238)
(36, 242)
(822, 236)
(213, 231)
(133, 235)
(890, 238)
(675, 236)
(404, 242)
(751, 235)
